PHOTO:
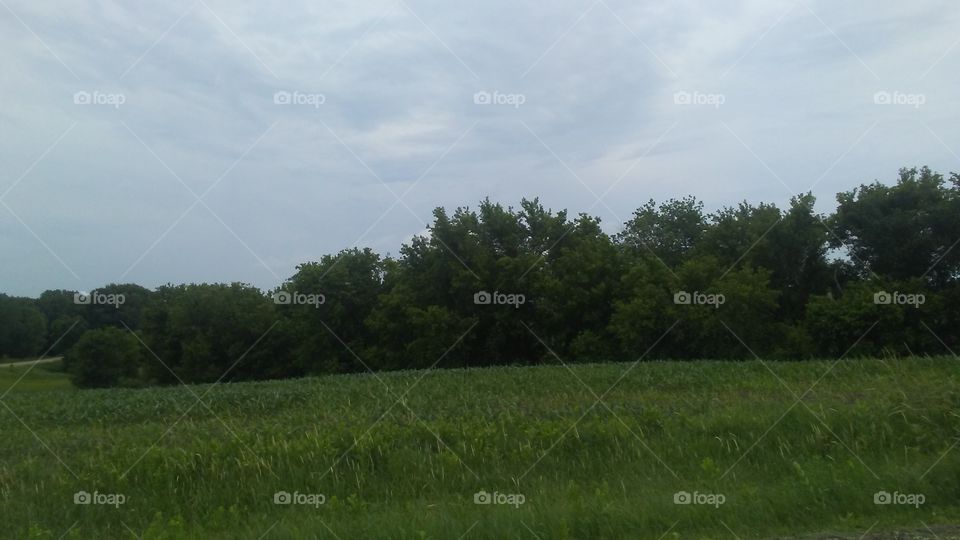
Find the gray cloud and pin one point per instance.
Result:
(288, 183)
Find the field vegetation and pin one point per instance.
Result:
(594, 450)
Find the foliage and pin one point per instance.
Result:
(411, 469)
(903, 231)
(103, 357)
(205, 333)
(22, 328)
(498, 285)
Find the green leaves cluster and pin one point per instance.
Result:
(795, 284)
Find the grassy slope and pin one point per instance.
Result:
(32, 379)
(213, 475)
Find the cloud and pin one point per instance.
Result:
(289, 182)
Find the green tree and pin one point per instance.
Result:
(858, 323)
(792, 245)
(642, 315)
(707, 312)
(576, 288)
(669, 231)
(104, 357)
(908, 230)
(23, 329)
(451, 280)
(209, 332)
(326, 304)
(61, 312)
(131, 298)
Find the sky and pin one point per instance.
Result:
(214, 141)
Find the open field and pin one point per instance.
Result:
(402, 455)
(36, 378)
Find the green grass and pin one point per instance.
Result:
(33, 379)
(729, 428)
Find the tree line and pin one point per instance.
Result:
(501, 285)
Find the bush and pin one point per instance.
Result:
(104, 357)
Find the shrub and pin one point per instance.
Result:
(104, 357)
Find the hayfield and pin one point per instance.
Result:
(654, 450)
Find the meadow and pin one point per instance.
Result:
(654, 450)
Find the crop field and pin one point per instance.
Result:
(655, 450)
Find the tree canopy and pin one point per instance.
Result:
(502, 285)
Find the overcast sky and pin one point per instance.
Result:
(149, 144)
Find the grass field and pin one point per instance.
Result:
(40, 378)
(403, 455)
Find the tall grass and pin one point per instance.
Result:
(402, 455)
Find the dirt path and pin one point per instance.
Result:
(33, 362)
